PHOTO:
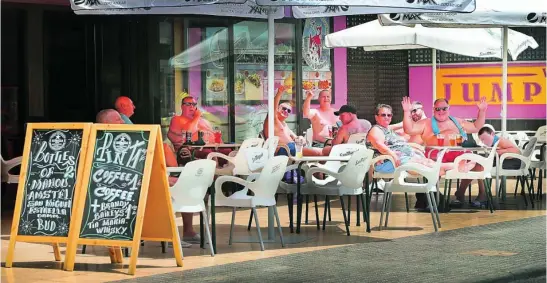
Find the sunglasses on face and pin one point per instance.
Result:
(415, 110)
(385, 115)
(286, 109)
(441, 108)
(189, 104)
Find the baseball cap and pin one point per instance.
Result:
(345, 108)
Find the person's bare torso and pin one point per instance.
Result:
(353, 127)
(180, 124)
(446, 128)
(281, 130)
(320, 122)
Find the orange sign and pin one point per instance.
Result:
(466, 85)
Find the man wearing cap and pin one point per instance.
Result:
(417, 114)
(350, 125)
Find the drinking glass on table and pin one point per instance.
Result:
(452, 138)
(459, 140)
(299, 145)
(218, 135)
(440, 140)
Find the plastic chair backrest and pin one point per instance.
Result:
(240, 160)
(309, 136)
(271, 145)
(256, 158)
(541, 134)
(490, 158)
(340, 150)
(356, 168)
(268, 181)
(195, 178)
(530, 147)
(359, 138)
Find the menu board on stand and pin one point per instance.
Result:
(116, 207)
(50, 176)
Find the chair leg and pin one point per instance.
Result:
(209, 239)
(307, 203)
(232, 224)
(344, 213)
(365, 212)
(390, 201)
(530, 192)
(316, 213)
(488, 188)
(330, 217)
(349, 210)
(516, 186)
(250, 221)
(290, 208)
(279, 226)
(258, 230)
(540, 182)
(201, 230)
(431, 211)
(384, 206)
(358, 205)
(406, 202)
(523, 192)
(327, 208)
(434, 207)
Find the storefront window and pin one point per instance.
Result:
(223, 65)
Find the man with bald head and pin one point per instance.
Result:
(320, 118)
(124, 105)
(109, 116)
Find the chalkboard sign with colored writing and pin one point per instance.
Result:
(114, 185)
(50, 182)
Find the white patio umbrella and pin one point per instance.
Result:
(489, 13)
(480, 42)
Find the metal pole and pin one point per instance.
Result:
(271, 106)
(434, 71)
(504, 82)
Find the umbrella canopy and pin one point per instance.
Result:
(489, 13)
(251, 8)
(486, 42)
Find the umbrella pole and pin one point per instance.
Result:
(434, 71)
(504, 81)
(271, 111)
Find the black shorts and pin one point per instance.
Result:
(510, 164)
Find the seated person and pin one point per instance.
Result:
(111, 116)
(124, 105)
(350, 125)
(190, 120)
(487, 136)
(320, 118)
(286, 136)
(417, 114)
(385, 141)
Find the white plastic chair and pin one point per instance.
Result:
(359, 138)
(7, 165)
(188, 192)
(541, 134)
(398, 184)
(271, 145)
(347, 181)
(485, 174)
(238, 163)
(264, 189)
(521, 173)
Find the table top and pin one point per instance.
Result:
(319, 158)
(215, 145)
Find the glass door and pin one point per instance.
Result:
(205, 64)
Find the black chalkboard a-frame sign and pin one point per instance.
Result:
(115, 206)
(49, 181)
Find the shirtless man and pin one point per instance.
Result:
(125, 107)
(417, 114)
(320, 118)
(350, 125)
(281, 129)
(189, 120)
(443, 123)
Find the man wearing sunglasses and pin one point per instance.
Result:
(189, 120)
(443, 123)
(320, 118)
(281, 129)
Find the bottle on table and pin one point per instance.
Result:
(218, 135)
